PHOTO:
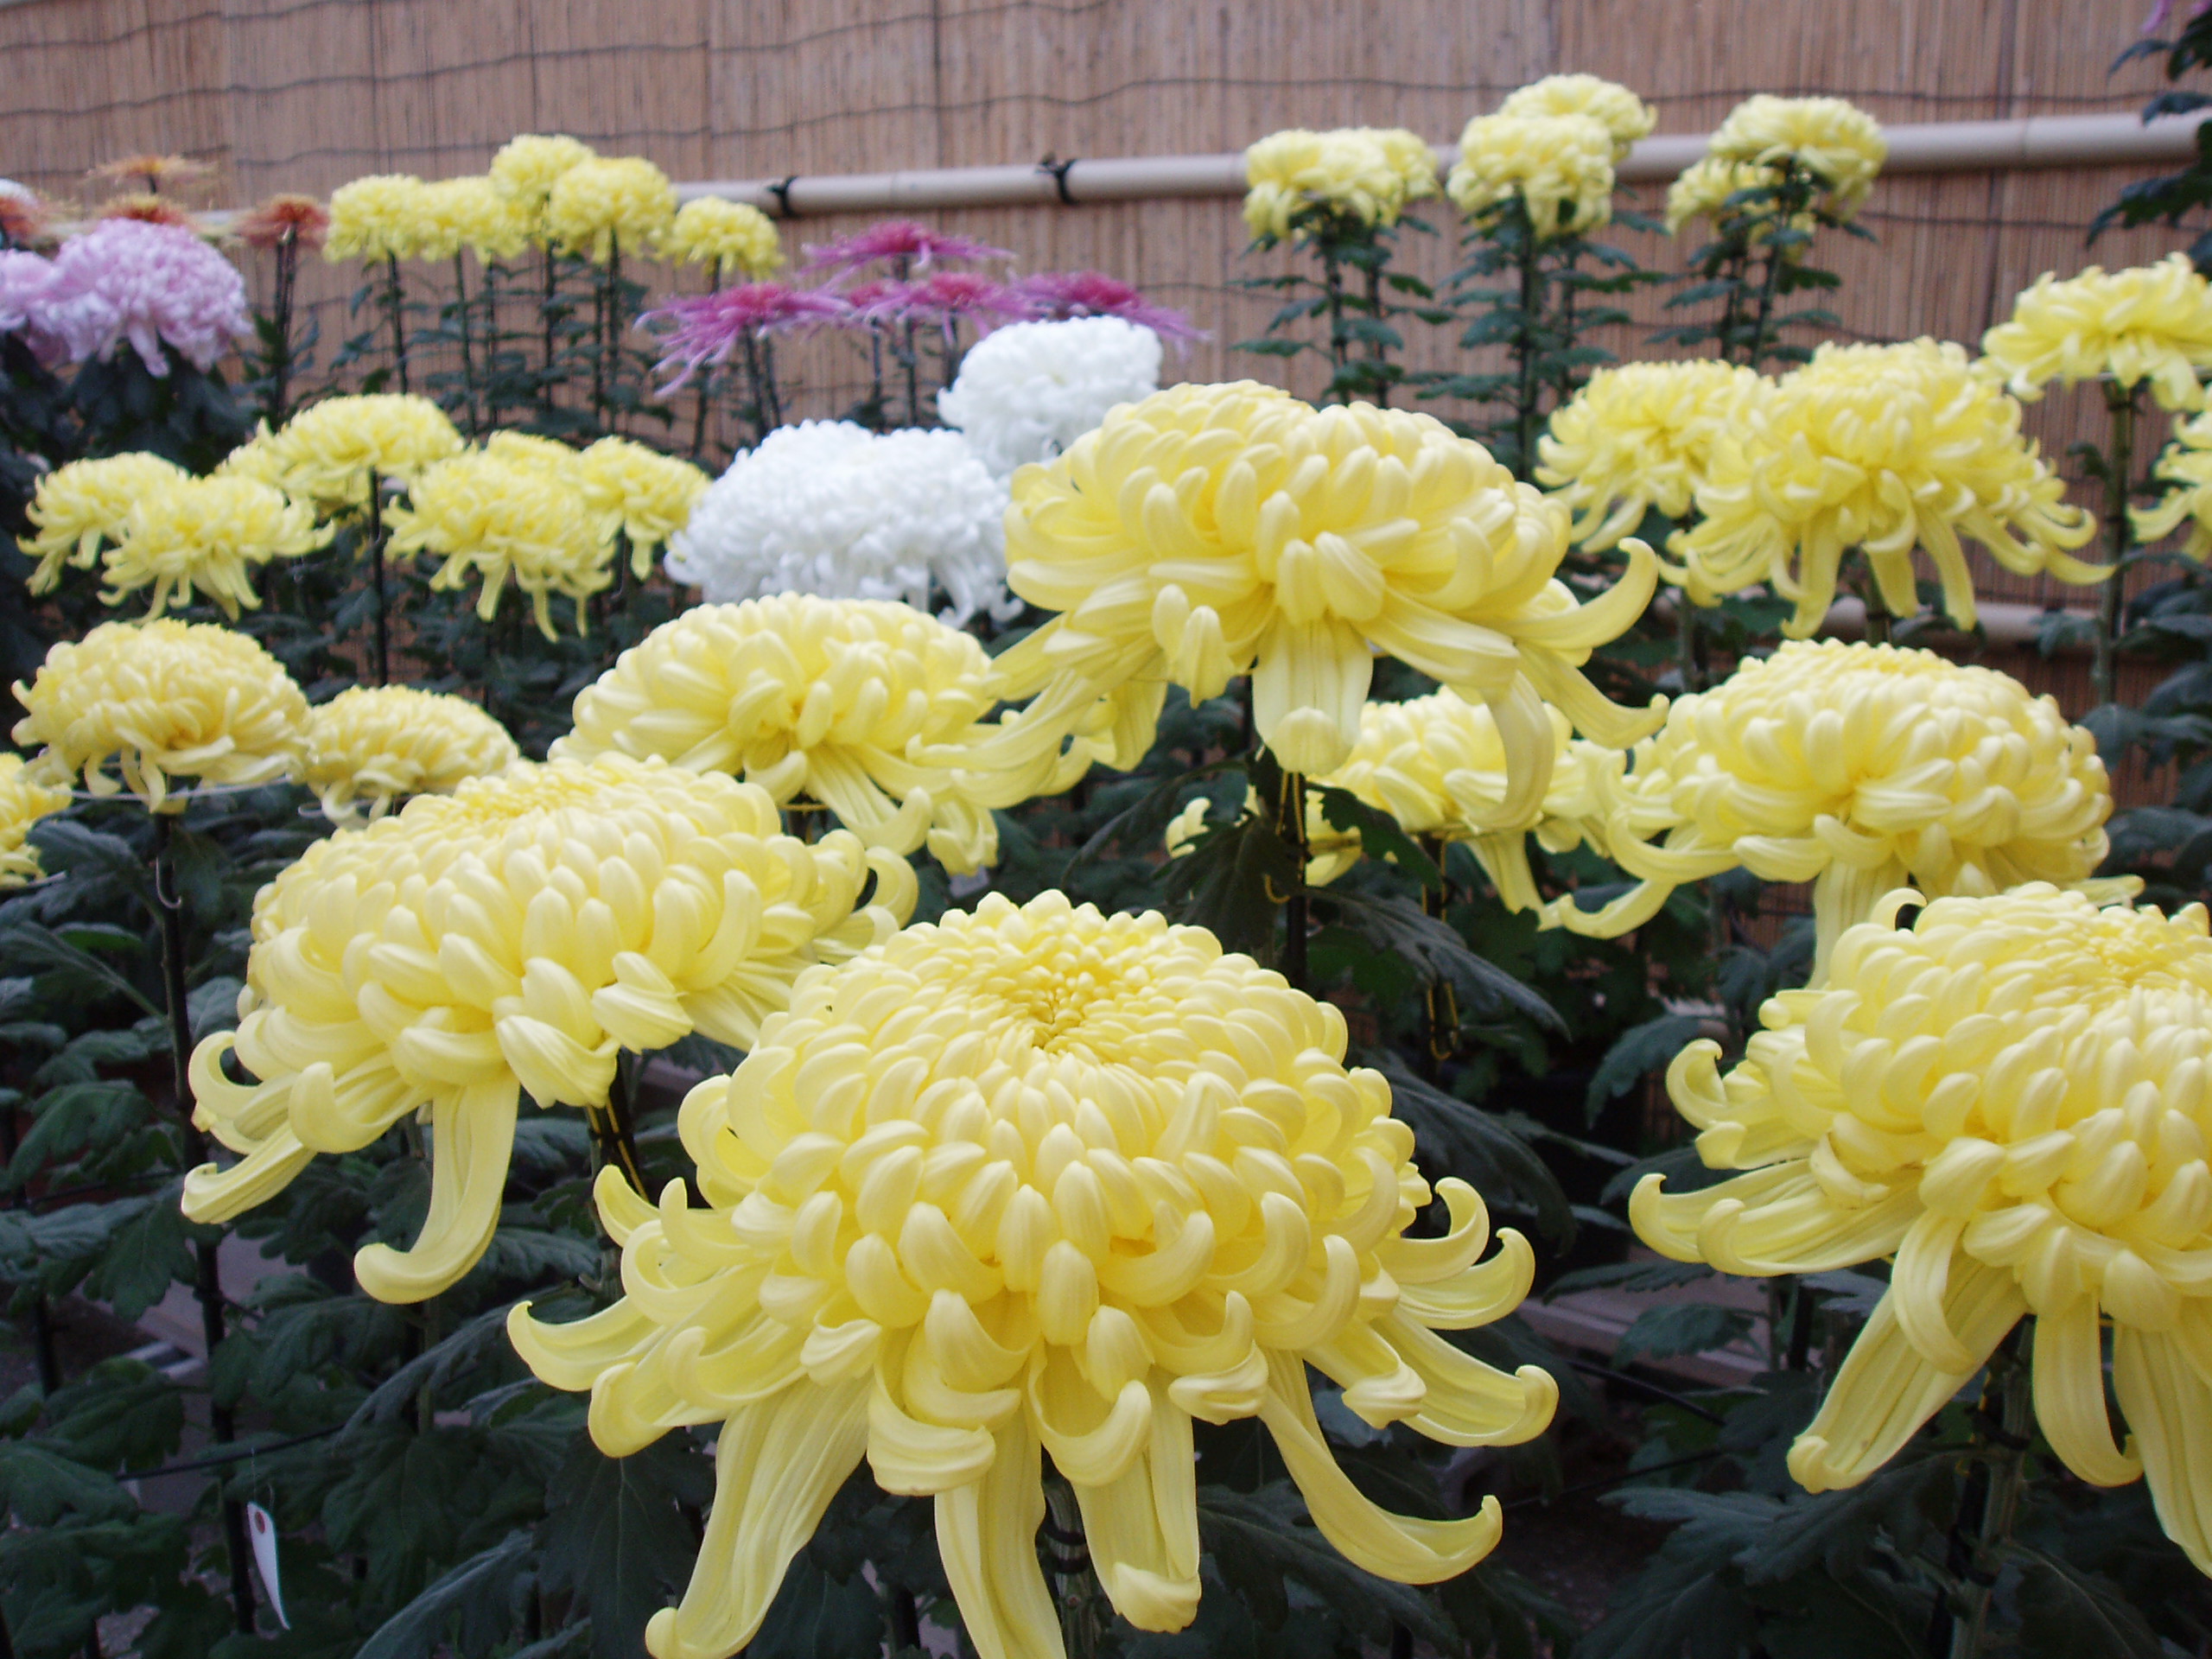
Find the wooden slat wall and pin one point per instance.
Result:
(304, 95)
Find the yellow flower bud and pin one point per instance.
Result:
(376, 218)
(1037, 1180)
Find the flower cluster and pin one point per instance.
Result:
(1639, 439)
(1026, 393)
(512, 937)
(375, 218)
(1883, 448)
(820, 700)
(1210, 531)
(1836, 142)
(734, 237)
(700, 331)
(1558, 168)
(24, 799)
(639, 493)
(828, 507)
(201, 535)
(1037, 1181)
(528, 166)
(160, 288)
(1625, 117)
(331, 454)
(1331, 184)
(381, 744)
(2186, 468)
(162, 700)
(602, 206)
(941, 299)
(1859, 768)
(2010, 1098)
(78, 507)
(2152, 323)
(470, 213)
(491, 517)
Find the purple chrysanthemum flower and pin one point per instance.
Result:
(945, 296)
(2162, 14)
(25, 281)
(151, 284)
(699, 331)
(1061, 296)
(896, 239)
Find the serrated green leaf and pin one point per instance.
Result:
(615, 1539)
(476, 1595)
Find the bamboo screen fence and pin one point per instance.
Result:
(305, 94)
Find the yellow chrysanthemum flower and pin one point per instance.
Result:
(1559, 167)
(528, 167)
(599, 206)
(330, 452)
(514, 936)
(2186, 466)
(163, 700)
(380, 744)
(1859, 768)
(1834, 140)
(1626, 117)
(1210, 531)
(1040, 1181)
(1883, 448)
(23, 801)
(379, 217)
(2152, 323)
(640, 492)
(1303, 183)
(199, 535)
(2011, 1098)
(812, 699)
(734, 235)
(1638, 437)
(1703, 189)
(470, 213)
(78, 507)
(528, 449)
(491, 519)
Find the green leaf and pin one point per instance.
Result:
(1680, 1328)
(616, 1539)
(143, 1257)
(1260, 1539)
(29, 945)
(41, 1486)
(815, 1614)
(1454, 1137)
(71, 1118)
(477, 1594)
(1390, 923)
(1380, 834)
(1638, 1052)
(2066, 1613)
(121, 1413)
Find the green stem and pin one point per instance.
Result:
(208, 1287)
(2000, 1505)
(1332, 285)
(546, 312)
(1794, 194)
(1528, 395)
(706, 384)
(1376, 352)
(1290, 826)
(1076, 1594)
(1879, 619)
(376, 577)
(1689, 649)
(280, 312)
(395, 304)
(467, 358)
(1442, 1009)
(2120, 464)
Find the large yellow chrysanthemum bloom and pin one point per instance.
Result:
(1626, 117)
(734, 235)
(1039, 1180)
(330, 452)
(1560, 167)
(1859, 768)
(1208, 531)
(528, 167)
(2012, 1099)
(78, 506)
(1303, 183)
(163, 700)
(379, 217)
(514, 936)
(599, 206)
(1883, 448)
(2186, 468)
(1835, 141)
(199, 535)
(2152, 323)
(641, 493)
(1638, 437)
(381, 744)
(23, 801)
(813, 699)
(470, 213)
(493, 520)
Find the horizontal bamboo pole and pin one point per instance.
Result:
(2039, 140)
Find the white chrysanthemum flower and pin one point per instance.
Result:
(829, 508)
(1026, 393)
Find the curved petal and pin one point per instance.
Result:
(2169, 1407)
(473, 1134)
(1142, 1527)
(987, 1536)
(777, 1466)
(2070, 1373)
(1308, 685)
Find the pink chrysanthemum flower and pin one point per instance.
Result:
(699, 330)
(1060, 295)
(26, 280)
(945, 296)
(151, 284)
(896, 239)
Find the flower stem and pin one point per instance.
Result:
(612, 1140)
(207, 1288)
(1076, 1592)
(706, 381)
(468, 362)
(545, 312)
(2120, 464)
(1290, 826)
(1332, 285)
(1376, 353)
(280, 316)
(2007, 1477)
(1442, 1011)
(376, 576)
(1793, 195)
(395, 305)
(1529, 393)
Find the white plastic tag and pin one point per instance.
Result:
(263, 1531)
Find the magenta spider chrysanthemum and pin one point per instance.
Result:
(1059, 295)
(700, 330)
(896, 239)
(944, 296)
